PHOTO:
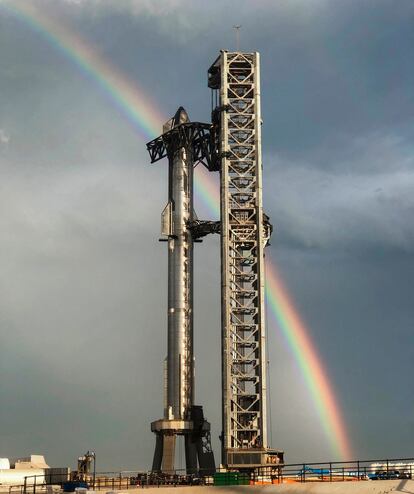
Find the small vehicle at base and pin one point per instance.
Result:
(308, 472)
(386, 475)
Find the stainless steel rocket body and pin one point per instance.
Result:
(180, 361)
(184, 143)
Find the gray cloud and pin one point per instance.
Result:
(4, 137)
(83, 296)
(362, 202)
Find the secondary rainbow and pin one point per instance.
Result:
(146, 118)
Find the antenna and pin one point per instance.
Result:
(237, 29)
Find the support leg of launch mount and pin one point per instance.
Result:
(199, 456)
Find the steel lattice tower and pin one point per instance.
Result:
(245, 230)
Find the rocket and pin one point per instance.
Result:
(175, 221)
(181, 143)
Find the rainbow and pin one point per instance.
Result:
(296, 335)
(310, 364)
(143, 114)
(126, 96)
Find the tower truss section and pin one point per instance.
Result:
(245, 230)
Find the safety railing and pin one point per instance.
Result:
(350, 471)
(396, 468)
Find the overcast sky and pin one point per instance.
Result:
(83, 277)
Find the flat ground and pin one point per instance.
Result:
(368, 487)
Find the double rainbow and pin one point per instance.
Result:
(143, 115)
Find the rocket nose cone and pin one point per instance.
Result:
(180, 117)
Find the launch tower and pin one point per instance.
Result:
(245, 230)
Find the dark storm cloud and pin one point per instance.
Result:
(83, 307)
(363, 202)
